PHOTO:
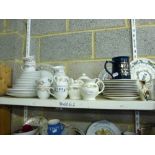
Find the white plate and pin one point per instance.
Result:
(121, 81)
(29, 78)
(23, 89)
(121, 90)
(21, 94)
(40, 121)
(121, 87)
(122, 98)
(20, 86)
(142, 69)
(108, 127)
(25, 82)
(120, 95)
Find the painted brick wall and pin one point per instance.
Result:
(82, 46)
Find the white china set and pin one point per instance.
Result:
(121, 89)
(141, 69)
(25, 85)
(53, 81)
(56, 83)
(61, 86)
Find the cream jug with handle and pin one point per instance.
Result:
(90, 89)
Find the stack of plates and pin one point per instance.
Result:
(124, 89)
(25, 85)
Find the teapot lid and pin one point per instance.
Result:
(84, 77)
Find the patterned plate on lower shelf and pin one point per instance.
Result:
(103, 128)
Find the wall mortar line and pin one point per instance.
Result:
(93, 46)
(23, 46)
(4, 25)
(74, 32)
(147, 25)
(67, 25)
(39, 50)
(8, 33)
(126, 23)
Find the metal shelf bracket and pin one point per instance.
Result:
(134, 54)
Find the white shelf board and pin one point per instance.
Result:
(80, 104)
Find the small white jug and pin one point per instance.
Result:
(90, 89)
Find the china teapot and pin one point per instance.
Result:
(84, 78)
(90, 89)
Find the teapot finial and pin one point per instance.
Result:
(84, 77)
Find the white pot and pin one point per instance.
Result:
(90, 89)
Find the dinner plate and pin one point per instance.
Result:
(142, 69)
(21, 94)
(123, 87)
(103, 127)
(120, 81)
(125, 98)
(20, 89)
(120, 95)
(120, 90)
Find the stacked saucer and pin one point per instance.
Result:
(25, 85)
(123, 89)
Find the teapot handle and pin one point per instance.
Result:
(99, 82)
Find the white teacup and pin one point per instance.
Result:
(59, 92)
(45, 81)
(43, 93)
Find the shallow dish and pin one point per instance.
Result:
(123, 98)
(142, 69)
(103, 128)
(39, 121)
(22, 94)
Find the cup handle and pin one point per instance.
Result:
(62, 127)
(105, 67)
(50, 91)
(51, 80)
(98, 83)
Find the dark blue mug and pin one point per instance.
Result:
(120, 67)
(55, 127)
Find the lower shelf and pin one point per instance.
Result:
(81, 104)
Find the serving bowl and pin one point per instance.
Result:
(32, 132)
